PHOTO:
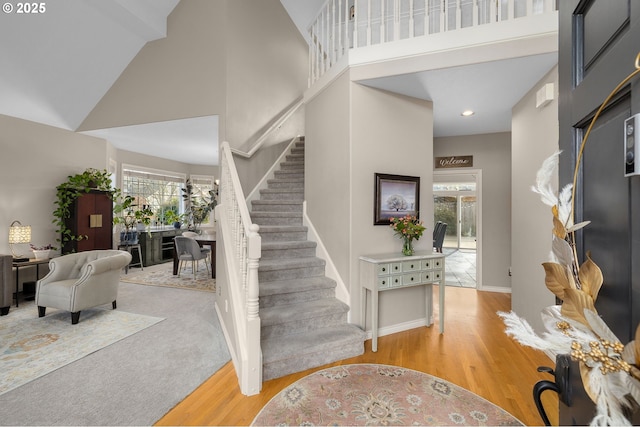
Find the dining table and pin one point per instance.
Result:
(203, 240)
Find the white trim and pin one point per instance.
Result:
(478, 174)
(342, 293)
(152, 171)
(400, 327)
(227, 338)
(500, 289)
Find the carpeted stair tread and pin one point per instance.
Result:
(282, 249)
(276, 214)
(282, 228)
(298, 312)
(289, 263)
(276, 206)
(318, 341)
(282, 194)
(296, 285)
(288, 245)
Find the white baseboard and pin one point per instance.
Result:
(496, 289)
(227, 338)
(399, 327)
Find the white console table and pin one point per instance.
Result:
(386, 272)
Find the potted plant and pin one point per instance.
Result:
(197, 208)
(172, 217)
(41, 252)
(125, 213)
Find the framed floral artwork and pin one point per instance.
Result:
(395, 195)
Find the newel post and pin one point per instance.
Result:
(254, 252)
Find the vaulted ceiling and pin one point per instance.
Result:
(57, 65)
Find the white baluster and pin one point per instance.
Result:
(511, 12)
(493, 11)
(529, 8)
(383, 34)
(333, 32)
(339, 28)
(427, 17)
(369, 23)
(458, 15)
(474, 10)
(355, 24)
(411, 19)
(443, 16)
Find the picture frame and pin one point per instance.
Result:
(394, 196)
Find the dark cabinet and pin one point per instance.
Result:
(157, 245)
(92, 218)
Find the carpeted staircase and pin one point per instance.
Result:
(303, 324)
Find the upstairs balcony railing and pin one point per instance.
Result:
(346, 24)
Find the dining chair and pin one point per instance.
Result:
(188, 249)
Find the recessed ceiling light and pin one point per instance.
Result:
(467, 113)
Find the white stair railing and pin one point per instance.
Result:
(348, 24)
(242, 252)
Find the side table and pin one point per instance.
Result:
(30, 263)
(379, 273)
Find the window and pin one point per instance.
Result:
(202, 184)
(159, 190)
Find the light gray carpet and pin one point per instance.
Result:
(136, 380)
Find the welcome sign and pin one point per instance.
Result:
(454, 162)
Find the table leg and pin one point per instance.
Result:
(175, 260)
(17, 283)
(441, 307)
(374, 320)
(428, 294)
(213, 260)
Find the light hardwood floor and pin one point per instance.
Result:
(473, 353)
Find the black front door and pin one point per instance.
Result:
(599, 42)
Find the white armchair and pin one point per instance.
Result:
(81, 280)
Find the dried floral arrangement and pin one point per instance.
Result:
(609, 370)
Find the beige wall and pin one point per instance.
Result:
(267, 66)
(491, 154)
(535, 137)
(180, 76)
(370, 131)
(391, 134)
(35, 159)
(328, 170)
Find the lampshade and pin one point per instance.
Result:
(19, 233)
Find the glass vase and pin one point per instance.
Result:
(407, 246)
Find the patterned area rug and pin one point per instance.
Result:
(162, 275)
(31, 346)
(370, 394)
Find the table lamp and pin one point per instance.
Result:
(18, 233)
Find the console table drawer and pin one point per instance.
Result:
(384, 269)
(412, 279)
(414, 265)
(384, 282)
(432, 276)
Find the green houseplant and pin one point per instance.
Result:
(126, 213)
(197, 208)
(69, 191)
